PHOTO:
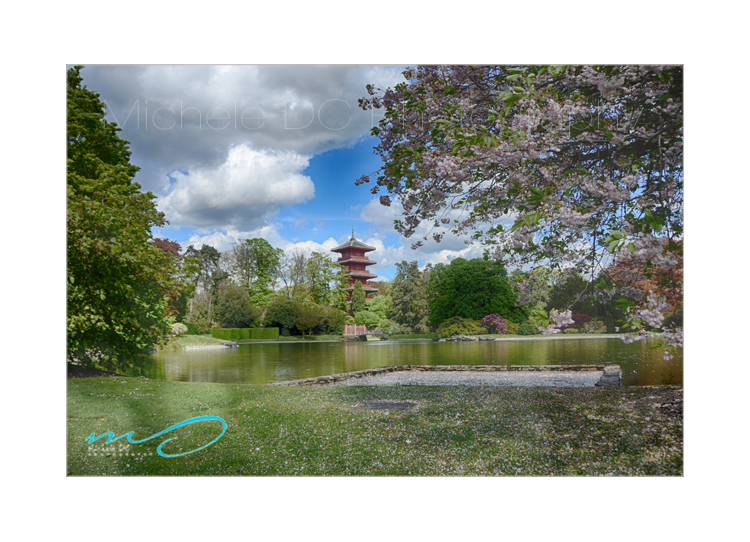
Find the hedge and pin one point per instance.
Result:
(192, 329)
(244, 334)
(271, 333)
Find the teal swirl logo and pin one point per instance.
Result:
(111, 436)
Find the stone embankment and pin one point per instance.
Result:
(228, 344)
(469, 338)
(472, 375)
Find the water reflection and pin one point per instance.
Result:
(264, 363)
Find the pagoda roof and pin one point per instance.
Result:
(352, 243)
(360, 274)
(364, 261)
(366, 288)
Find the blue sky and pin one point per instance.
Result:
(270, 151)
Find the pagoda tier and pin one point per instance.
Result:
(368, 289)
(353, 257)
(365, 261)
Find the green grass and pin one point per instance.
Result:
(295, 338)
(316, 431)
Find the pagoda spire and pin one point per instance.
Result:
(352, 232)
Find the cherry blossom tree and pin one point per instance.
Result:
(565, 165)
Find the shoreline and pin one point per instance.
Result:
(519, 338)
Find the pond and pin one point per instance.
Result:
(266, 363)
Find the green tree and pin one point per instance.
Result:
(533, 287)
(333, 321)
(208, 272)
(307, 317)
(281, 313)
(472, 289)
(323, 279)
(118, 281)
(366, 318)
(381, 306)
(574, 293)
(359, 298)
(257, 265)
(409, 292)
(200, 312)
(293, 273)
(233, 307)
(178, 297)
(384, 287)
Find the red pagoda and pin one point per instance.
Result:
(353, 256)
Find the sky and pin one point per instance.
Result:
(272, 151)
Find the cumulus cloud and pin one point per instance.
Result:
(179, 117)
(223, 240)
(240, 193)
(450, 247)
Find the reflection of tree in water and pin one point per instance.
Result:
(264, 363)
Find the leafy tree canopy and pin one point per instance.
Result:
(409, 293)
(471, 289)
(587, 160)
(233, 307)
(118, 281)
(359, 298)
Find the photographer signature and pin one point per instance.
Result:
(111, 436)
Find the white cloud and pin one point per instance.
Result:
(240, 193)
(450, 247)
(183, 117)
(308, 247)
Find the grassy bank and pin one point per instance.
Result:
(293, 338)
(178, 343)
(316, 431)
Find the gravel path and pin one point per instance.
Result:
(569, 379)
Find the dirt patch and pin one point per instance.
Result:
(667, 402)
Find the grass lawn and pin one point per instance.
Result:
(316, 431)
(284, 338)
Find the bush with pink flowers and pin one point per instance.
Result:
(495, 324)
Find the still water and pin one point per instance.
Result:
(265, 363)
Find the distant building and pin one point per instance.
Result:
(353, 256)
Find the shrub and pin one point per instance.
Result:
(538, 316)
(580, 319)
(230, 333)
(271, 333)
(421, 329)
(389, 326)
(512, 328)
(570, 330)
(595, 326)
(459, 326)
(367, 318)
(495, 324)
(350, 320)
(244, 333)
(178, 329)
(528, 329)
(192, 329)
